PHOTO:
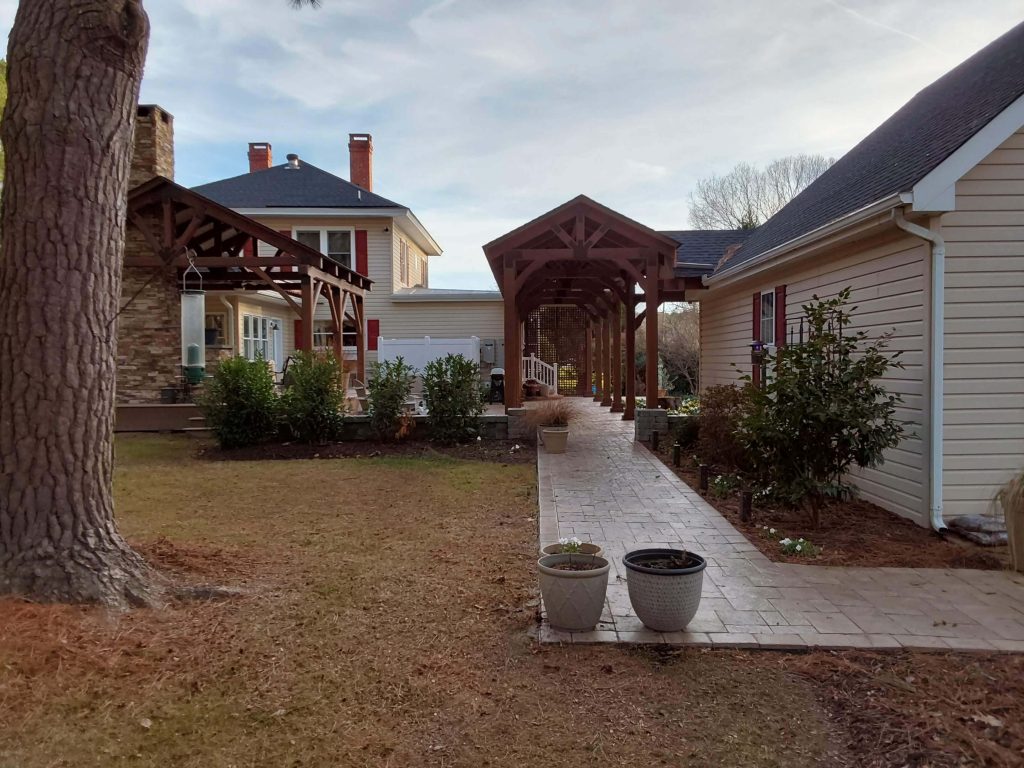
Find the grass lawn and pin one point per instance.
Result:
(384, 623)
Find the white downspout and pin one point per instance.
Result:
(937, 336)
(231, 323)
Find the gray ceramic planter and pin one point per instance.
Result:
(573, 599)
(665, 600)
(554, 438)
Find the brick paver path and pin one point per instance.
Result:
(612, 491)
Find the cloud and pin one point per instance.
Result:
(486, 114)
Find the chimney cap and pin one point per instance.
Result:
(293, 160)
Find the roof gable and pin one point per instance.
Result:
(906, 147)
(284, 186)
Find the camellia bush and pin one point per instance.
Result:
(388, 391)
(821, 409)
(451, 389)
(314, 401)
(240, 403)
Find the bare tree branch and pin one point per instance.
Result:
(748, 196)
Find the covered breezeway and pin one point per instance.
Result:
(573, 282)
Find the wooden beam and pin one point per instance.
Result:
(265, 278)
(616, 326)
(513, 350)
(629, 412)
(304, 339)
(653, 300)
(607, 363)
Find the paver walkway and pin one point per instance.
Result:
(610, 490)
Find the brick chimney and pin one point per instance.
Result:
(260, 156)
(153, 150)
(360, 160)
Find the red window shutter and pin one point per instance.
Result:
(247, 249)
(362, 257)
(780, 316)
(298, 333)
(372, 332)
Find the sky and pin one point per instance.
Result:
(487, 113)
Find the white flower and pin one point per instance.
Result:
(479, 438)
(798, 547)
(801, 540)
(771, 530)
(784, 542)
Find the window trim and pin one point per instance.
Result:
(770, 318)
(404, 257)
(324, 241)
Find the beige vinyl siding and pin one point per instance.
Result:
(260, 306)
(889, 290)
(984, 331)
(381, 259)
(416, 259)
(446, 319)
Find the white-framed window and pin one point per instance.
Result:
(337, 243)
(768, 318)
(323, 335)
(403, 262)
(256, 338)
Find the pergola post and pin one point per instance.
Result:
(600, 360)
(586, 380)
(513, 349)
(629, 413)
(617, 358)
(357, 316)
(652, 298)
(304, 339)
(607, 362)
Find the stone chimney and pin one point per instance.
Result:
(360, 160)
(153, 151)
(260, 156)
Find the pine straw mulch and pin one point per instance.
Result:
(855, 533)
(385, 622)
(497, 451)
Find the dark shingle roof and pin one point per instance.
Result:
(282, 187)
(906, 147)
(704, 247)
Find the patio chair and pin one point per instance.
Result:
(359, 397)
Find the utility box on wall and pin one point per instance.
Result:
(487, 351)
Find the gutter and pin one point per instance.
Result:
(936, 334)
(850, 219)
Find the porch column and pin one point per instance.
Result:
(304, 339)
(599, 337)
(606, 350)
(513, 348)
(617, 358)
(629, 413)
(652, 298)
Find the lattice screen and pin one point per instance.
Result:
(556, 334)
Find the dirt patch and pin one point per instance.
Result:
(494, 451)
(935, 710)
(852, 532)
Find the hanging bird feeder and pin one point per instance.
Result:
(193, 324)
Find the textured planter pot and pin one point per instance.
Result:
(554, 438)
(665, 600)
(573, 599)
(585, 549)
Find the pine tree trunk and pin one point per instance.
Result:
(75, 67)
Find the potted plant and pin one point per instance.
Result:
(664, 586)
(552, 418)
(573, 587)
(572, 544)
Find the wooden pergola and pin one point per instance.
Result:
(586, 255)
(224, 246)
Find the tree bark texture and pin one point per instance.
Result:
(75, 67)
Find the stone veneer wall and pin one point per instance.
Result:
(149, 326)
(648, 420)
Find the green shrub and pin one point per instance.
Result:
(723, 486)
(240, 403)
(451, 389)
(721, 410)
(821, 410)
(388, 391)
(314, 402)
